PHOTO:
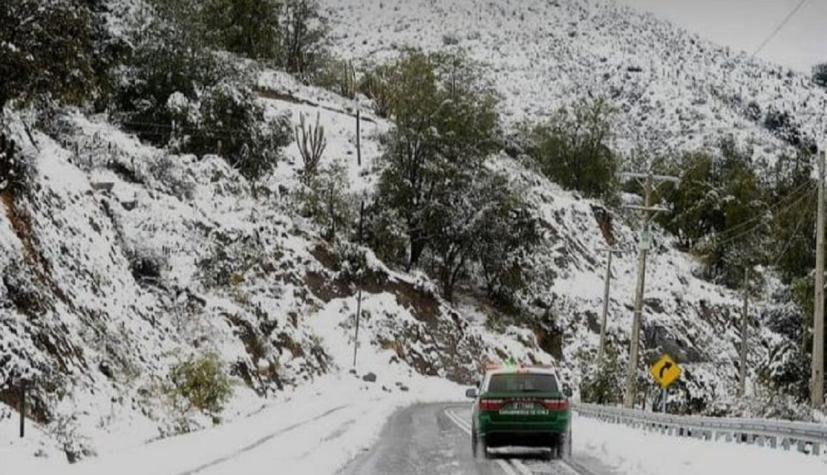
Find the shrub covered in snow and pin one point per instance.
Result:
(230, 123)
(16, 170)
(326, 199)
(173, 92)
(606, 384)
(200, 383)
(336, 75)
(162, 70)
(229, 258)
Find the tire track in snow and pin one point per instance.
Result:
(261, 441)
(565, 466)
(467, 429)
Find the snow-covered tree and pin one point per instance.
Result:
(173, 92)
(573, 148)
(716, 211)
(246, 27)
(47, 48)
(444, 131)
(483, 224)
(820, 74)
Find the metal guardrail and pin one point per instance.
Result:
(806, 437)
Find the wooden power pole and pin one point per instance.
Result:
(649, 212)
(606, 287)
(817, 377)
(742, 374)
(361, 224)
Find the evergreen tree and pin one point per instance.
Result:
(794, 221)
(719, 210)
(443, 133)
(573, 149)
(452, 210)
(303, 36)
(820, 74)
(246, 27)
(47, 48)
(173, 92)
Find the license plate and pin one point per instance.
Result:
(523, 409)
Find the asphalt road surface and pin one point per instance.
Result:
(434, 439)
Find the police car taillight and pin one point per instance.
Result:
(491, 405)
(555, 404)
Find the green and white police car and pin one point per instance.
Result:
(520, 407)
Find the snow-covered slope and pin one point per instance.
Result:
(673, 90)
(124, 260)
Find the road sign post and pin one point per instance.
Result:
(665, 372)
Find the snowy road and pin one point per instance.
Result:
(434, 439)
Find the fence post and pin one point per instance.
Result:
(22, 409)
(358, 137)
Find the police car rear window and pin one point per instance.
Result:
(522, 382)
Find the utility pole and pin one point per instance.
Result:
(359, 295)
(742, 376)
(361, 224)
(649, 212)
(606, 286)
(817, 377)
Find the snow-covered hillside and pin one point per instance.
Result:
(674, 91)
(125, 259)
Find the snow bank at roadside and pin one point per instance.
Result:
(633, 451)
(315, 429)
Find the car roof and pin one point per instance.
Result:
(523, 370)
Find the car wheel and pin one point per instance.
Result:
(483, 448)
(479, 448)
(556, 449)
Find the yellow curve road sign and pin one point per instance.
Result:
(665, 371)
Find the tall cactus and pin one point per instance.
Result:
(348, 80)
(311, 142)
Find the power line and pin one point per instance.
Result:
(780, 203)
(737, 236)
(779, 27)
(789, 245)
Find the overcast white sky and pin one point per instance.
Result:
(744, 24)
